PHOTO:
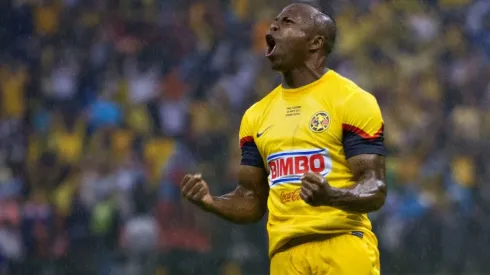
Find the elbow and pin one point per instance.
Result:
(257, 209)
(256, 219)
(251, 219)
(258, 215)
(251, 216)
(379, 197)
(378, 203)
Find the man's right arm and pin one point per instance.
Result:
(248, 202)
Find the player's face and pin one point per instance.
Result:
(287, 39)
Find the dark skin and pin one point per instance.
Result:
(306, 32)
(368, 195)
(246, 204)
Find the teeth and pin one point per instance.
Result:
(270, 50)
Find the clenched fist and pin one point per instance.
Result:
(315, 190)
(196, 190)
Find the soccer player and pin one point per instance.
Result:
(312, 154)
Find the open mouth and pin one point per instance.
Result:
(271, 45)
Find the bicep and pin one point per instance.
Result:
(367, 166)
(369, 173)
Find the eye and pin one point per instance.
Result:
(288, 20)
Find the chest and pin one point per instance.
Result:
(300, 125)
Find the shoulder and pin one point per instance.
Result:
(350, 91)
(351, 95)
(259, 107)
(253, 115)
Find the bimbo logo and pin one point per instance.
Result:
(288, 167)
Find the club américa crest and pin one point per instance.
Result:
(319, 122)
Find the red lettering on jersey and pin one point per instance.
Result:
(317, 163)
(296, 165)
(301, 165)
(273, 168)
(286, 166)
(290, 196)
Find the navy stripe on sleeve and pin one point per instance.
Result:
(357, 142)
(250, 153)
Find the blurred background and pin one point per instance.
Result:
(105, 104)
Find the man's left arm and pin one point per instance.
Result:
(364, 149)
(367, 195)
(369, 192)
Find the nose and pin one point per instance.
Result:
(274, 27)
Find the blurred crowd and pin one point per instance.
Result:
(106, 104)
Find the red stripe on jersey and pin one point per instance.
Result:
(246, 139)
(362, 133)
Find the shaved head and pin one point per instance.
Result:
(323, 23)
(325, 26)
(301, 34)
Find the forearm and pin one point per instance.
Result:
(366, 196)
(237, 208)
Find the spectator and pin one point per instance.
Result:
(104, 105)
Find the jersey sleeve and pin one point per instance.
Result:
(362, 126)
(250, 152)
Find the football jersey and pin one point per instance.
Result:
(314, 128)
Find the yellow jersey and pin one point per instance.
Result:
(314, 128)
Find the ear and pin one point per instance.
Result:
(317, 43)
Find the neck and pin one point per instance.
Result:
(303, 75)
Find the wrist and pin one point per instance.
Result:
(333, 196)
(208, 205)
